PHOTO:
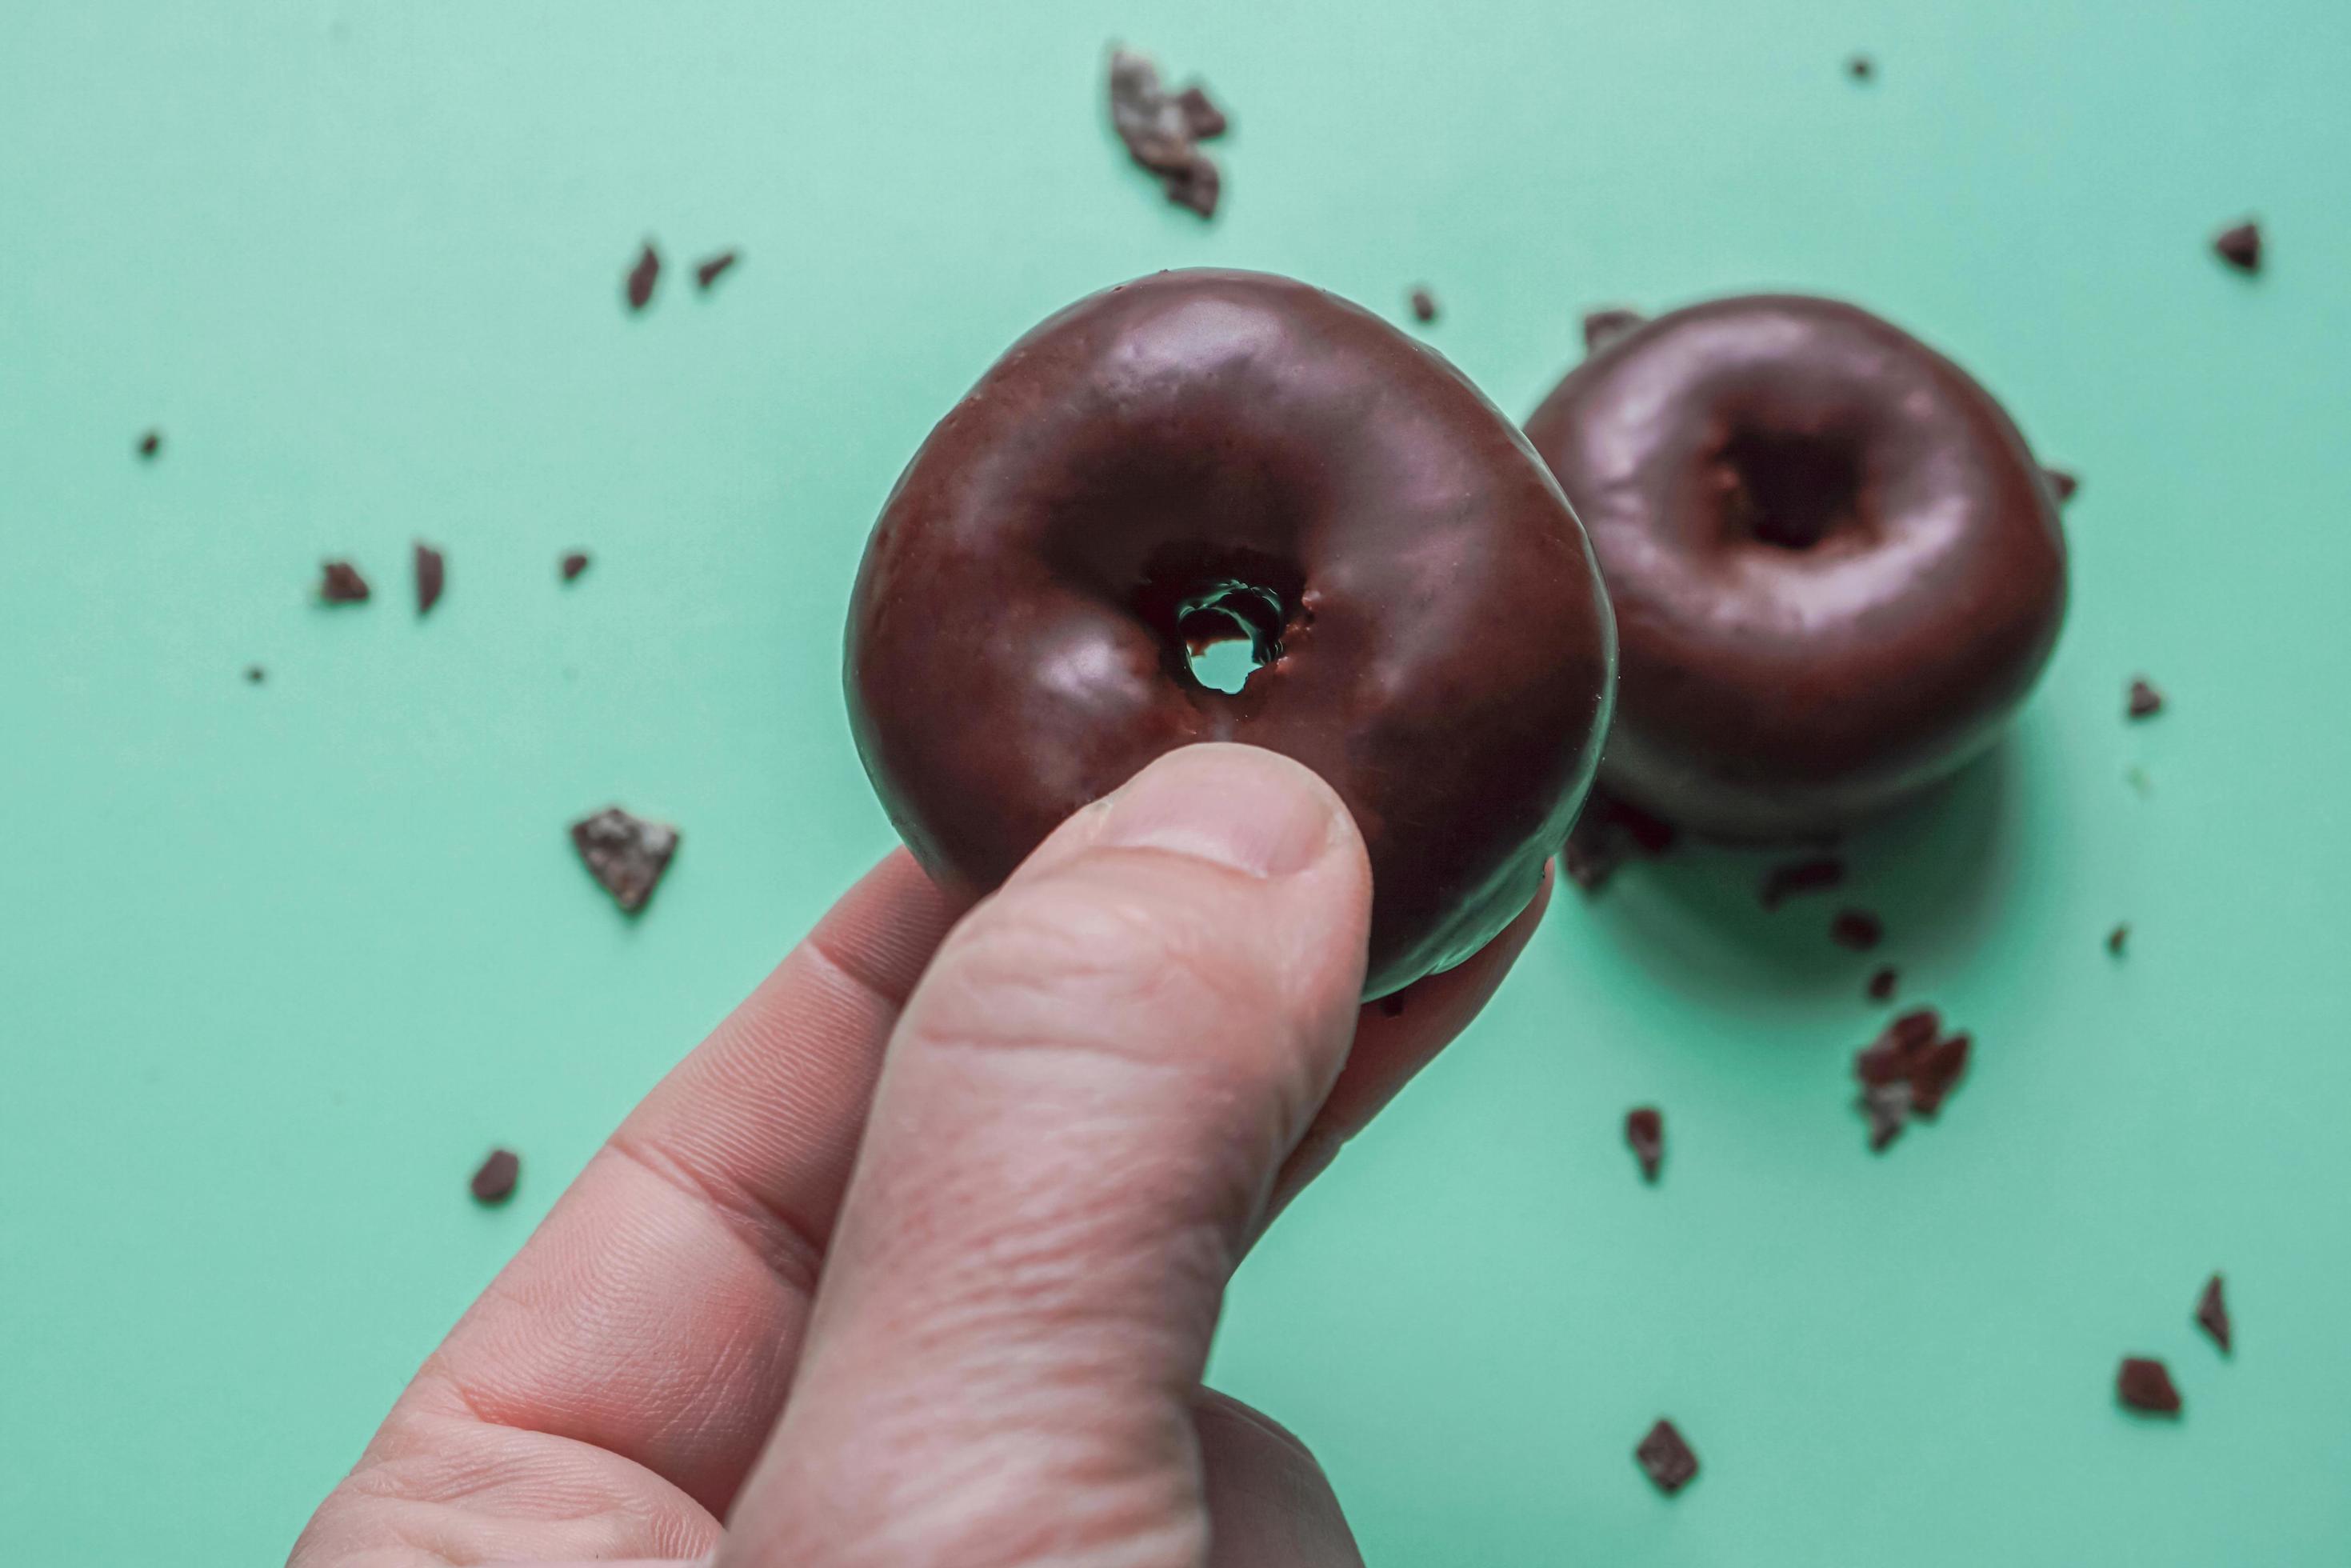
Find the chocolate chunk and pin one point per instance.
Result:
(1861, 68)
(2119, 938)
(711, 271)
(150, 443)
(432, 573)
(1881, 984)
(1391, 1005)
(340, 582)
(573, 564)
(1604, 327)
(626, 853)
(2240, 245)
(495, 1182)
(1782, 882)
(1645, 1130)
(1666, 1458)
(1857, 929)
(1201, 115)
(2145, 1384)
(1908, 1071)
(1162, 130)
(1423, 305)
(2062, 481)
(1938, 1069)
(1607, 833)
(2213, 1313)
(254, 674)
(639, 288)
(2145, 700)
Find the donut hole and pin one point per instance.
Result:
(1222, 614)
(1788, 489)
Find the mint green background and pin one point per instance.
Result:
(279, 963)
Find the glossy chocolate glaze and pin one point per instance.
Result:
(1019, 637)
(1835, 565)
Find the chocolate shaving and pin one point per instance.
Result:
(2239, 246)
(1604, 327)
(626, 853)
(1666, 1458)
(1881, 984)
(2065, 482)
(2144, 702)
(1861, 68)
(1645, 1130)
(150, 443)
(495, 1181)
(1423, 305)
(2213, 1313)
(1908, 1071)
(715, 268)
(573, 564)
(254, 674)
(2145, 1384)
(1606, 834)
(2119, 938)
(639, 288)
(432, 573)
(340, 582)
(1857, 929)
(1162, 130)
(1782, 882)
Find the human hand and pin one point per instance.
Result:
(916, 1260)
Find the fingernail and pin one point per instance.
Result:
(1236, 805)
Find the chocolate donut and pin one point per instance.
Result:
(1837, 568)
(1204, 456)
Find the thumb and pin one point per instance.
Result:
(1079, 1118)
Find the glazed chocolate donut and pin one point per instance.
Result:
(1835, 565)
(1200, 455)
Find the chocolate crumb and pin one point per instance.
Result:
(1162, 130)
(1861, 68)
(431, 574)
(1607, 833)
(2213, 1313)
(1782, 882)
(2146, 702)
(495, 1181)
(2064, 481)
(1391, 1005)
(1423, 305)
(1882, 983)
(2145, 1384)
(626, 853)
(1909, 1070)
(150, 443)
(715, 268)
(573, 564)
(1666, 1458)
(2119, 938)
(639, 288)
(1888, 1106)
(1645, 1130)
(340, 582)
(2239, 246)
(1604, 327)
(1857, 929)
(1201, 115)
(254, 674)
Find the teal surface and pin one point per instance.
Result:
(278, 962)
